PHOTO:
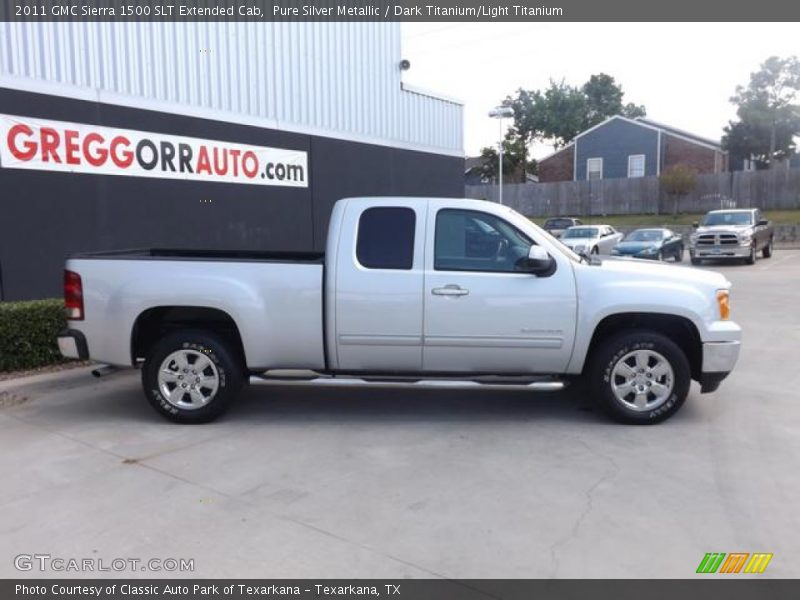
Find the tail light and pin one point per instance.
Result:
(73, 296)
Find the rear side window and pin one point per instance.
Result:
(386, 238)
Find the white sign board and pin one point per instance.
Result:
(45, 145)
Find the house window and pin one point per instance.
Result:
(594, 168)
(636, 165)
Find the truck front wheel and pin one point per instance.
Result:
(639, 377)
(767, 250)
(191, 377)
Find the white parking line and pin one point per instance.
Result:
(778, 261)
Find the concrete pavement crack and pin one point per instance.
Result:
(237, 498)
(608, 475)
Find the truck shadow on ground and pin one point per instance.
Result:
(365, 404)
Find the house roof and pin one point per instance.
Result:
(656, 126)
(559, 151)
(679, 132)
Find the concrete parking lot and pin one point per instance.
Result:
(304, 482)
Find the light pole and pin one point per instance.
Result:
(499, 113)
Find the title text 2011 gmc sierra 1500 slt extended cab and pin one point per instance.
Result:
(409, 289)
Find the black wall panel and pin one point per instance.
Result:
(45, 216)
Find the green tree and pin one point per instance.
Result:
(559, 112)
(676, 182)
(604, 99)
(564, 110)
(768, 113)
(515, 160)
(527, 128)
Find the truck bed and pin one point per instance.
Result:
(204, 255)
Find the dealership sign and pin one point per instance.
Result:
(45, 145)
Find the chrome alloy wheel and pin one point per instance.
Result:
(188, 379)
(642, 380)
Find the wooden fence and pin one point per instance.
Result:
(775, 189)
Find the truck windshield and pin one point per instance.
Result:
(728, 218)
(581, 232)
(558, 223)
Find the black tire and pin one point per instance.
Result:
(679, 254)
(766, 252)
(227, 372)
(595, 250)
(751, 260)
(696, 261)
(612, 351)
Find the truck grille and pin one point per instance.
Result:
(717, 239)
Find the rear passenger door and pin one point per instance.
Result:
(378, 279)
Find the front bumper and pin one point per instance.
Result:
(719, 358)
(721, 251)
(72, 344)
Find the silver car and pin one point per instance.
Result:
(591, 239)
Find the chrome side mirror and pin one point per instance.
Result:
(539, 261)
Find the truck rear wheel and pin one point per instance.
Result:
(191, 377)
(639, 377)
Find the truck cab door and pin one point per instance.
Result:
(374, 292)
(483, 314)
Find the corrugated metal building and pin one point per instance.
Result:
(331, 93)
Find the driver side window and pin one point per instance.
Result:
(469, 240)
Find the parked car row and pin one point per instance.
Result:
(722, 234)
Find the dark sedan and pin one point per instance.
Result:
(656, 244)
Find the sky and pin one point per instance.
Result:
(684, 73)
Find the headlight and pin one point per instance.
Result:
(614, 251)
(745, 238)
(724, 304)
(579, 247)
(650, 250)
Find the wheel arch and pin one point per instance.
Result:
(155, 322)
(677, 328)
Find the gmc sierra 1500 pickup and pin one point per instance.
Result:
(410, 290)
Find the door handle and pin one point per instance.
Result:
(450, 290)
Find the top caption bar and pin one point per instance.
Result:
(402, 10)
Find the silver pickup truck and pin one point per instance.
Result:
(409, 290)
(737, 233)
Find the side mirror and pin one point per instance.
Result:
(539, 262)
(695, 224)
(762, 223)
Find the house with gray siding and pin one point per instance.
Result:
(621, 147)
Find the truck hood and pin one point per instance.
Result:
(646, 272)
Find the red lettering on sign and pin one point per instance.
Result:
(203, 162)
(28, 150)
(50, 140)
(250, 164)
(123, 158)
(220, 170)
(70, 135)
(235, 156)
(99, 155)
